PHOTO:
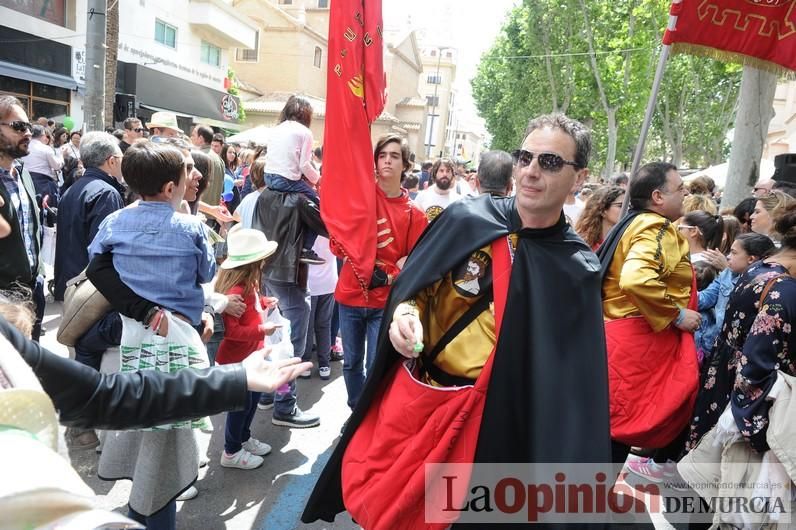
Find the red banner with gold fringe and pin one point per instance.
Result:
(757, 32)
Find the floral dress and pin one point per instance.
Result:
(717, 377)
(768, 348)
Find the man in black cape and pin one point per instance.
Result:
(547, 400)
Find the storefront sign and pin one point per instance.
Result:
(229, 107)
(49, 10)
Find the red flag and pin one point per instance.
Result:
(757, 32)
(355, 96)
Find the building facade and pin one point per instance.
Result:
(42, 56)
(436, 86)
(291, 58)
(174, 55)
(781, 136)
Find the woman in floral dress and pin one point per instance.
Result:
(718, 373)
(771, 345)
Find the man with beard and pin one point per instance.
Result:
(440, 194)
(451, 332)
(20, 267)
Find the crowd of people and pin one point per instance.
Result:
(202, 249)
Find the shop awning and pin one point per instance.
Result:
(198, 119)
(18, 71)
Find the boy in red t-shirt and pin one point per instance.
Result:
(399, 225)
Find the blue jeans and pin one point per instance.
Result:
(294, 303)
(318, 332)
(359, 327)
(164, 519)
(215, 338)
(105, 333)
(279, 183)
(238, 425)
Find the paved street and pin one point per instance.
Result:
(271, 497)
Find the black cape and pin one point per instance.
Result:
(548, 396)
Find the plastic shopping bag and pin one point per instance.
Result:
(142, 349)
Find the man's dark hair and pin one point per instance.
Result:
(218, 137)
(147, 167)
(426, 166)
(388, 139)
(205, 133)
(649, 178)
(110, 130)
(494, 171)
(297, 109)
(579, 133)
(73, 133)
(440, 162)
(411, 181)
(50, 123)
(619, 179)
(118, 133)
(38, 131)
(131, 123)
(318, 153)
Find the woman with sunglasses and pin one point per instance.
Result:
(600, 214)
(703, 232)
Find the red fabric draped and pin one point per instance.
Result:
(355, 97)
(763, 30)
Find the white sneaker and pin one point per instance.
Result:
(241, 460)
(306, 374)
(188, 494)
(325, 372)
(256, 447)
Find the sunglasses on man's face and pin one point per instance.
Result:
(547, 161)
(139, 129)
(19, 125)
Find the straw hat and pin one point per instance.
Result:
(247, 245)
(164, 120)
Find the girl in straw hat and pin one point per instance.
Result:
(248, 252)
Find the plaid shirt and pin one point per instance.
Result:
(25, 212)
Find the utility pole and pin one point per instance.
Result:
(94, 105)
(435, 102)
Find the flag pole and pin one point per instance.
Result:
(645, 127)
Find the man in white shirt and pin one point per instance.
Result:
(573, 208)
(43, 163)
(438, 196)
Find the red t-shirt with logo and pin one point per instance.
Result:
(399, 224)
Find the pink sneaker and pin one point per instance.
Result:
(647, 469)
(337, 350)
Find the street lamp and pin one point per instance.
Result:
(434, 101)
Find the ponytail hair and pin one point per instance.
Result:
(756, 245)
(711, 227)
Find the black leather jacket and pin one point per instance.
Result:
(131, 400)
(282, 217)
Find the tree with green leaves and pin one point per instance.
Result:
(595, 60)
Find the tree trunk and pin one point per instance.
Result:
(111, 53)
(751, 128)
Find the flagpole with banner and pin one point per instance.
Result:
(355, 97)
(656, 85)
(759, 33)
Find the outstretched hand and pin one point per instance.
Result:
(266, 376)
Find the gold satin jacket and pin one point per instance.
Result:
(650, 274)
(441, 304)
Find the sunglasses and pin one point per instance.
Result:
(19, 125)
(547, 161)
(139, 129)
